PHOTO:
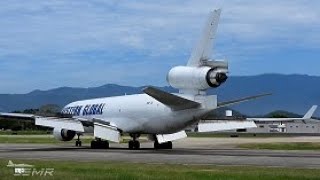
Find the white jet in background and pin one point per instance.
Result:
(161, 115)
(230, 124)
(306, 117)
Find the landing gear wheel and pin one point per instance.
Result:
(94, 145)
(78, 141)
(134, 144)
(99, 144)
(166, 145)
(169, 145)
(130, 144)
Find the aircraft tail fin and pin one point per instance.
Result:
(204, 47)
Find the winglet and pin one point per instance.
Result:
(310, 113)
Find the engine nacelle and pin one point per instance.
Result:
(200, 78)
(63, 134)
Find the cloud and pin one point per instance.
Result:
(57, 39)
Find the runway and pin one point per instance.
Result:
(184, 152)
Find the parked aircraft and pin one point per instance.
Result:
(306, 117)
(246, 123)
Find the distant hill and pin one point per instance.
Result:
(294, 93)
(281, 114)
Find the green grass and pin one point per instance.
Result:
(109, 170)
(282, 146)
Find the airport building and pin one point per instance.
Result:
(286, 127)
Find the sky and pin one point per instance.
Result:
(49, 44)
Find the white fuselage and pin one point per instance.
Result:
(137, 113)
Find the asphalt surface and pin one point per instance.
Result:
(188, 151)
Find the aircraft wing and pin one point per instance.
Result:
(237, 101)
(102, 129)
(18, 116)
(173, 101)
(306, 117)
(73, 124)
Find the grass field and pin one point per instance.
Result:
(282, 146)
(108, 170)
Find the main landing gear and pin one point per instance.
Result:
(78, 141)
(166, 145)
(99, 144)
(134, 144)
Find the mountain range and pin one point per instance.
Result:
(294, 93)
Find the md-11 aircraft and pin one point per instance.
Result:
(161, 115)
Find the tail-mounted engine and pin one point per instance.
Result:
(210, 74)
(63, 134)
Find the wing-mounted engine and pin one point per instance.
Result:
(210, 75)
(63, 134)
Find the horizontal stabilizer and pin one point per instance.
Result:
(162, 138)
(173, 101)
(225, 126)
(237, 101)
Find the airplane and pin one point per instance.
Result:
(232, 124)
(306, 117)
(162, 116)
